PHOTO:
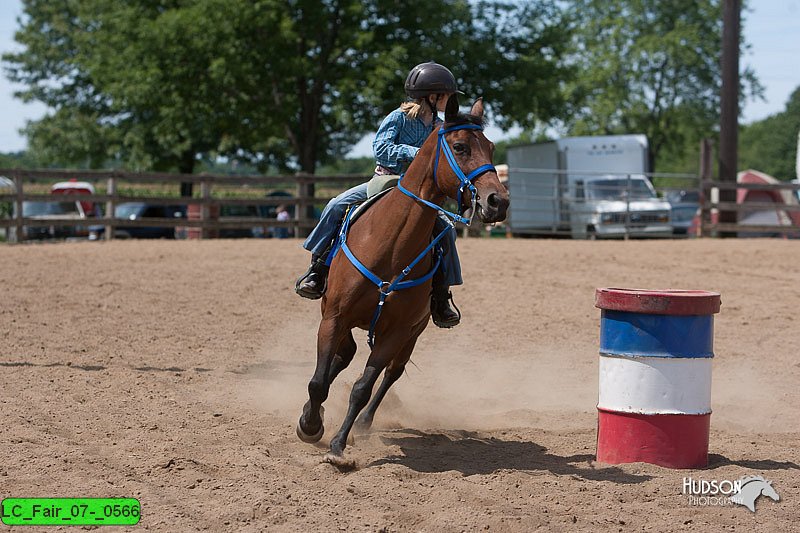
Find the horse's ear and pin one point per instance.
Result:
(477, 108)
(451, 111)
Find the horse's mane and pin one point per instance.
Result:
(464, 118)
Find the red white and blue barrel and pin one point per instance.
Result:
(656, 349)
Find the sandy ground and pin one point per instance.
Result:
(174, 372)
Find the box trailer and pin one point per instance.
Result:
(585, 187)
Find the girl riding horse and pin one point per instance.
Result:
(392, 242)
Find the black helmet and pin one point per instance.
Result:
(430, 78)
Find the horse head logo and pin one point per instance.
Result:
(751, 488)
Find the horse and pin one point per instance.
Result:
(392, 241)
(751, 488)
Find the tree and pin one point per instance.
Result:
(650, 67)
(770, 145)
(161, 84)
(151, 84)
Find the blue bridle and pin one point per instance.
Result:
(385, 287)
(466, 180)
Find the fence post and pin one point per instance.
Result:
(304, 211)
(628, 186)
(111, 190)
(706, 159)
(205, 209)
(19, 237)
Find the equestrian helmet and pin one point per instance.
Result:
(430, 78)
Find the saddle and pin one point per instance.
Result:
(377, 188)
(380, 183)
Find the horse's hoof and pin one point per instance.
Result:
(311, 439)
(339, 461)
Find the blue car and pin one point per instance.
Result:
(684, 206)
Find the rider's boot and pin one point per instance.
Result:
(313, 283)
(442, 313)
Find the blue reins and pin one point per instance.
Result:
(385, 287)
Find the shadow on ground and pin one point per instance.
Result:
(717, 461)
(465, 452)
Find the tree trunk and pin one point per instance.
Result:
(186, 166)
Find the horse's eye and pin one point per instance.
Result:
(460, 148)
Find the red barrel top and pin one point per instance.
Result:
(658, 302)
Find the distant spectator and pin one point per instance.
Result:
(282, 216)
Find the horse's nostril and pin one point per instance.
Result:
(492, 200)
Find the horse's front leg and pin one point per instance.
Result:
(310, 426)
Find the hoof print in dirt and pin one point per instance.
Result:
(339, 461)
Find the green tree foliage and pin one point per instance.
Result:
(163, 84)
(770, 145)
(652, 67)
(18, 160)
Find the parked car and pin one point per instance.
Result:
(232, 212)
(140, 211)
(51, 210)
(612, 206)
(73, 186)
(684, 208)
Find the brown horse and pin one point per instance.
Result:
(386, 239)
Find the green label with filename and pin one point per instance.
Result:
(70, 511)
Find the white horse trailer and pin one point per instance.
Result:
(586, 187)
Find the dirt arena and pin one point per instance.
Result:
(174, 372)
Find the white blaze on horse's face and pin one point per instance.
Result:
(471, 150)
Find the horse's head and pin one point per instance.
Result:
(471, 151)
(769, 491)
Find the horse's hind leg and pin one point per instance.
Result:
(344, 355)
(310, 426)
(392, 374)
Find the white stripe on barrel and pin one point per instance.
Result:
(655, 385)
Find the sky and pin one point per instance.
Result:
(771, 27)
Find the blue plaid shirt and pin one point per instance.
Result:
(398, 140)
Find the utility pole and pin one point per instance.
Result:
(729, 109)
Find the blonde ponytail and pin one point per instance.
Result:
(413, 109)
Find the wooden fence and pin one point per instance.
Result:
(252, 191)
(309, 192)
(787, 214)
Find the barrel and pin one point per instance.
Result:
(656, 348)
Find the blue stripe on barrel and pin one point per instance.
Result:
(646, 335)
